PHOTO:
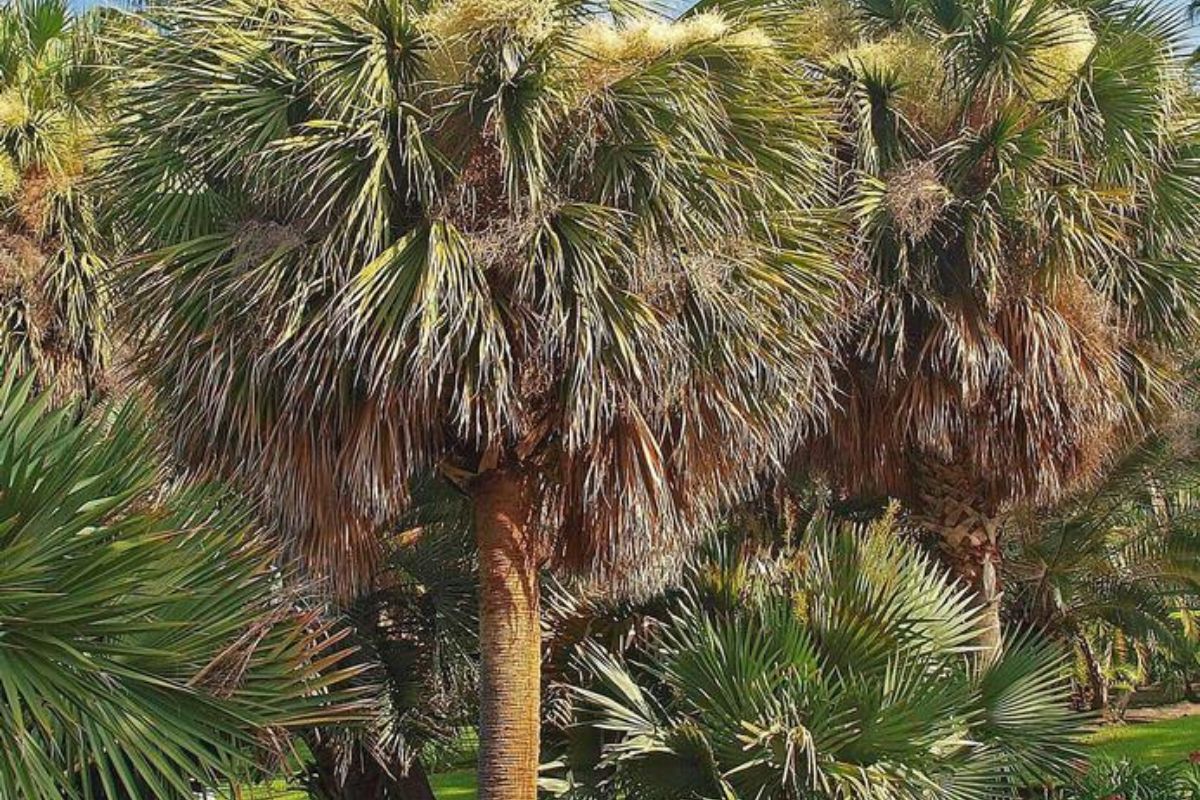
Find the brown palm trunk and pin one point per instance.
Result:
(414, 783)
(1096, 682)
(510, 638)
(356, 775)
(967, 527)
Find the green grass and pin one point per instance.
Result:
(277, 790)
(456, 785)
(1164, 742)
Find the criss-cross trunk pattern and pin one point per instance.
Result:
(967, 525)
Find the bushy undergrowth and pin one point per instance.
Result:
(1125, 780)
(842, 669)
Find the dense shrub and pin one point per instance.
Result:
(844, 669)
(1123, 780)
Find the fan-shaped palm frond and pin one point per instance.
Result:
(146, 647)
(852, 678)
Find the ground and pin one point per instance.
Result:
(456, 785)
(1168, 739)
(1154, 736)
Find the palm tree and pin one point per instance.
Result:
(417, 633)
(1118, 564)
(54, 92)
(146, 647)
(836, 670)
(1023, 175)
(563, 254)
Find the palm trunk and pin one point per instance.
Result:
(967, 527)
(414, 783)
(510, 638)
(1099, 686)
(358, 776)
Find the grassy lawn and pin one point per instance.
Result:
(273, 791)
(1163, 742)
(456, 785)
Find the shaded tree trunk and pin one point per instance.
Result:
(967, 527)
(1096, 682)
(509, 637)
(358, 776)
(414, 784)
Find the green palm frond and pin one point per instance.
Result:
(146, 646)
(782, 696)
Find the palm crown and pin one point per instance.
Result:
(53, 93)
(397, 236)
(1024, 180)
(1022, 175)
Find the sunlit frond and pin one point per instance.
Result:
(397, 237)
(146, 641)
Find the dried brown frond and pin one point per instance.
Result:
(1032, 399)
(916, 197)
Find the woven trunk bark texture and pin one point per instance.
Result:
(968, 527)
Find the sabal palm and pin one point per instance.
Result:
(54, 90)
(146, 648)
(1023, 174)
(561, 253)
(836, 671)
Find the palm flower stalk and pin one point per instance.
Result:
(569, 256)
